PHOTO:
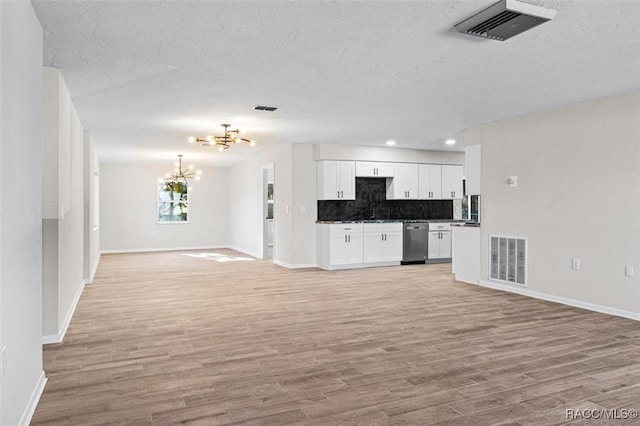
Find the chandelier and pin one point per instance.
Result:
(223, 142)
(180, 177)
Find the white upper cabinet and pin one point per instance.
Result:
(430, 181)
(404, 185)
(370, 169)
(451, 182)
(336, 180)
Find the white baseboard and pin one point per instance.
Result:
(294, 265)
(359, 265)
(27, 414)
(57, 338)
(564, 300)
(247, 252)
(161, 249)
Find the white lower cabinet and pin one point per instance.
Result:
(439, 244)
(345, 248)
(382, 242)
(358, 245)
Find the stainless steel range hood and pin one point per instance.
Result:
(505, 19)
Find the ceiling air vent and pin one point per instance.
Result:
(505, 19)
(265, 108)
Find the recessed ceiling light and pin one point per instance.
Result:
(391, 143)
(450, 142)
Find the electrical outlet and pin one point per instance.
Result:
(628, 270)
(575, 264)
(3, 361)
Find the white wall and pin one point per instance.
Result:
(128, 210)
(393, 154)
(578, 169)
(21, 219)
(304, 210)
(245, 203)
(63, 206)
(92, 209)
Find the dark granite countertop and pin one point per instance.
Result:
(466, 224)
(452, 221)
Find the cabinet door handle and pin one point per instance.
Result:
(385, 237)
(345, 238)
(349, 238)
(381, 237)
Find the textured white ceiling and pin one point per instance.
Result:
(145, 75)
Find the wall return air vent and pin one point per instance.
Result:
(505, 19)
(508, 261)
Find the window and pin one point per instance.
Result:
(173, 202)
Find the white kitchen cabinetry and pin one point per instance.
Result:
(451, 182)
(370, 169)
(404, 185)
(358, 245)
(336, 180)
(382, 242)
(429, 181)
(339, 245)
(439, 245)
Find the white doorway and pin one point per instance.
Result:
(268, 206)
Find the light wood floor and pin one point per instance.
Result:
(166, 338)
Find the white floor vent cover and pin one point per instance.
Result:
(508, 261)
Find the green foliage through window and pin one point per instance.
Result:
(173, 202)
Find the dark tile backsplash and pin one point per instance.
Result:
(371, 203)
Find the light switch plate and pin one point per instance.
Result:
(628, 270)
(575, 264)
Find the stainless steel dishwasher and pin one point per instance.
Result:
(414, 241)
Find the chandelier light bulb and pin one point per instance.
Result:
(223, 142)
(190, 166)
(199, 172)
(197, 177)
(191, 139)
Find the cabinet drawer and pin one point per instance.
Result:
(342, 228)
(437, 226)
(393, 227)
